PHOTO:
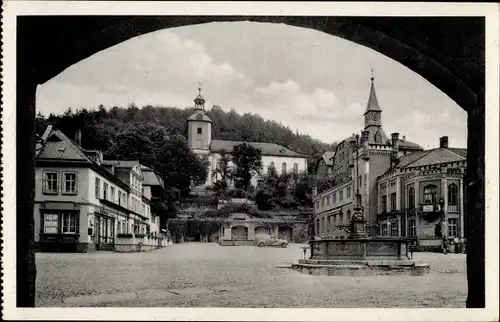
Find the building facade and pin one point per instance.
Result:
(81, 204)
(200, 141)
(395, 179)
(410, 191)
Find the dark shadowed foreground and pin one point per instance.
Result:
(209, 275)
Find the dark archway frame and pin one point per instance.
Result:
(447, 51)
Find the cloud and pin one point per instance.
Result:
(162, 68)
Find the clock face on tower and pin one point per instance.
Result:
(375, 117)
(199, 117)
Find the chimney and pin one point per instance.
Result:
(443, 142)
(78, 138)
(404, 138)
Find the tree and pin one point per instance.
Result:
(179, 165)
(131, 145)
(222, 172)
(248, 162)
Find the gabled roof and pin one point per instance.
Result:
(59, 146)
(327, 158)
(432, 156)
(373, 101)
(442, 155)
(266, 148)
(404, 144)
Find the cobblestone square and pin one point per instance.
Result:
(209, 275)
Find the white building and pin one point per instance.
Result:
(200, 141)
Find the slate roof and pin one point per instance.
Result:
(59, 146)
(121, 163)
(432, 156)
(372, 100)
(203, 116)
(266, 148)
(409, 145)
(327, 157)
(150, 177)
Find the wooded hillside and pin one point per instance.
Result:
(101, 128)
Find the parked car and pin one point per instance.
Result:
(270, 241)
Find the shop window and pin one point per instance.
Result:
(69, 223)
(452, 227)
(51, 223)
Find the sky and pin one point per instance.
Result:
(313, 82)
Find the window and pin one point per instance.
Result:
(69, 183)
(271, 165)
(384, 203)
(51, 183)
(384, 229)
(411, 198)
(378, 137)
(50, 223)
(360, 180)
(348, 215)
(322, 224)
(296, 167)
(394, 228)
(69, 223)
(452, 227)
(430, 194)
(341, 217)
(120, 198)
(413, 230)
(452, 194)
(322, 202)
(283, 168)
(329, 223)
(105, 189)
(334, 197)
(97, 188)
(317, 204)
(393, 201)
(348, 192)
(199, 130)
(341, 195)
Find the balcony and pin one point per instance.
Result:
(431, 207)
(454, 208)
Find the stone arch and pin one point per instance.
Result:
(260, 231)
(239, 232)
(285, 232)
(451, 59)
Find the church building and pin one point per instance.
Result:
(200, 141)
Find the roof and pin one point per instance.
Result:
(121, 163)
(404, 144)
(199, 115)
(432, 156)
(327, 157)
(372, 100)
(59, 146)
(266, 148)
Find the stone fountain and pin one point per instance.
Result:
(360, 254)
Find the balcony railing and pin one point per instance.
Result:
(431, 207)
(453, 208)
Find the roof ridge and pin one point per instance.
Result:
(424, 153)
(449, 149)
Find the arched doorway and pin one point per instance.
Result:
(239, 233)
(286, 233)
(261, 231)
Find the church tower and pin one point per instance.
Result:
(373, 119)
(199, 127)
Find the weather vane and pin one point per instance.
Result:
(372, 78)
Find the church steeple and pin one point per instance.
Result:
(199, 101)
(372, 99)
(373, 117)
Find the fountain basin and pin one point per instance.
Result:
(360, 256)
